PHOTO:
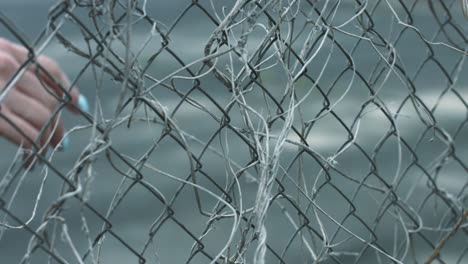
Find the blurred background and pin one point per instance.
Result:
(344, 139)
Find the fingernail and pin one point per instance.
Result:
(65, 144)
(83, 103)
(48, 154)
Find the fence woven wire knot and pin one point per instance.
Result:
(248, 131)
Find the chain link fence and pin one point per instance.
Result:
(282, 131)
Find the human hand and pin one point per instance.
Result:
(28, 107)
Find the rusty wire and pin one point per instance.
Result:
(282, 131)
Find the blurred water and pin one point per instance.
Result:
(140, 208)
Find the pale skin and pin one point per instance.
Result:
(29, 105)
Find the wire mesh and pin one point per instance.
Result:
(245, 132)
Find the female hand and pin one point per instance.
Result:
(30, 104)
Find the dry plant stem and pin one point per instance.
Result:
(225, 23)
(441, 245)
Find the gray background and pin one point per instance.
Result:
(134, 217)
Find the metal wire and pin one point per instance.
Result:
(282, 131)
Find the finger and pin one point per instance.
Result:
(52, 69)
(36, 114)
(20, 132)
(28, 83)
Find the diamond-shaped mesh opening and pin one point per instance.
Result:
(235, 132)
